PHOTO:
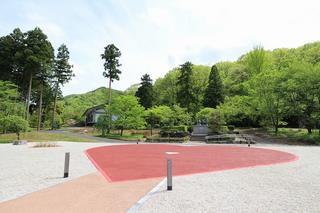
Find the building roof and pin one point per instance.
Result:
(101, 106)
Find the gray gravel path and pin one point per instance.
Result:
(24, 169)
(289, 187)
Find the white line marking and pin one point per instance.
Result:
(172, 153)
(138, 204)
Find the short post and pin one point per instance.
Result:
(66, 165)
(249, 141)
(169, 174)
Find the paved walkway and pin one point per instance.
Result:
(289, 187)
(90, 193)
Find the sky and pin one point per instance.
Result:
(156, 36)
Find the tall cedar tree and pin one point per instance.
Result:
(213, 95)
(38, 55)
(185, 94)
(145, 92)
(111, 56)
(62, 74)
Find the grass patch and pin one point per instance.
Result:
(298, 135)
(41, 137)
(126, 137)
(158, 139)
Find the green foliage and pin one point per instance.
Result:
(185, 94)
(204, 114)
(166, 89)
(181, 128)
(35, 136)
(75, 105)
(240, 111)
(233, 76)
(180, 116)
(62, 69)
(269, 94)
(159, 116)
(256, 60)
(15, 124)
(62, 74)
(145, 92)
(214, 92)
(217, 121)
(128, 113)
(111, 57)
(9, 96)
(298, 135)
(102, 124)
(132, 89)
(27, 60)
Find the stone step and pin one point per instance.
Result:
(197, 138)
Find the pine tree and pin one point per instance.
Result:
(62, 74)
(111, 56)
(214, 92)
(145, 92)
(185, 94)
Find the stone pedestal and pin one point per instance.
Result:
(200, 130)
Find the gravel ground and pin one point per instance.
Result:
(289, 187)
(24, 169)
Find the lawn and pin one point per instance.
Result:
(41, 137)
(127, 137)
(299, 135)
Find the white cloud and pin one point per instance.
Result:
(158, 16)
(155, 36)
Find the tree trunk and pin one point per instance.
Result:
(309, 130)
(121, 132)
(109, 103)
(276, 129)
(28, 98)
(40, 108)
(54, 107)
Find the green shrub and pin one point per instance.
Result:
(181, 128)
(231, 127)
(102, 124)
(157, 139)
(217, 122)
(17, 124)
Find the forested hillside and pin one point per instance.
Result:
(75, 105)
(262, 88)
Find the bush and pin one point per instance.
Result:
(181, 128)
(102, 124)
(157, 139)
(217, 122)
(231, 127)
(174, 131)
(17, 124)
(173, 134)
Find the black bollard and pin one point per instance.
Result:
(169, 174)
(66, 165)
